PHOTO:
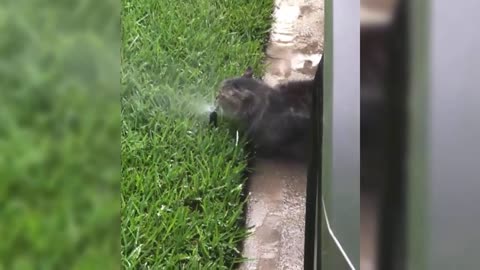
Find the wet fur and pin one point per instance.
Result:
(275, 119)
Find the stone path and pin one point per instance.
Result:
(276, 207)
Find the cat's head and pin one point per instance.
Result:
(237, 97)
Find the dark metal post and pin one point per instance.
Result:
(312, 237)
(392, 208)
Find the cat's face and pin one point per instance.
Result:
(234, 98)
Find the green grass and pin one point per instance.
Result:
(59, 135)
(182, 181)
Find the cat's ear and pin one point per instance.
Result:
(248, 73)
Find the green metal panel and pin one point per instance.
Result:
(340, 214)
(444, 167)
(418, 172)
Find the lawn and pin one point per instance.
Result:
(182, 181)
(59, 135)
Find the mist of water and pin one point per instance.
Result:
(202, 107)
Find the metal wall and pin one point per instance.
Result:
(444, 151)
(339, 204)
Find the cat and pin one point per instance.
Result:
(276, 120)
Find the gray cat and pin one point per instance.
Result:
(276, 120)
